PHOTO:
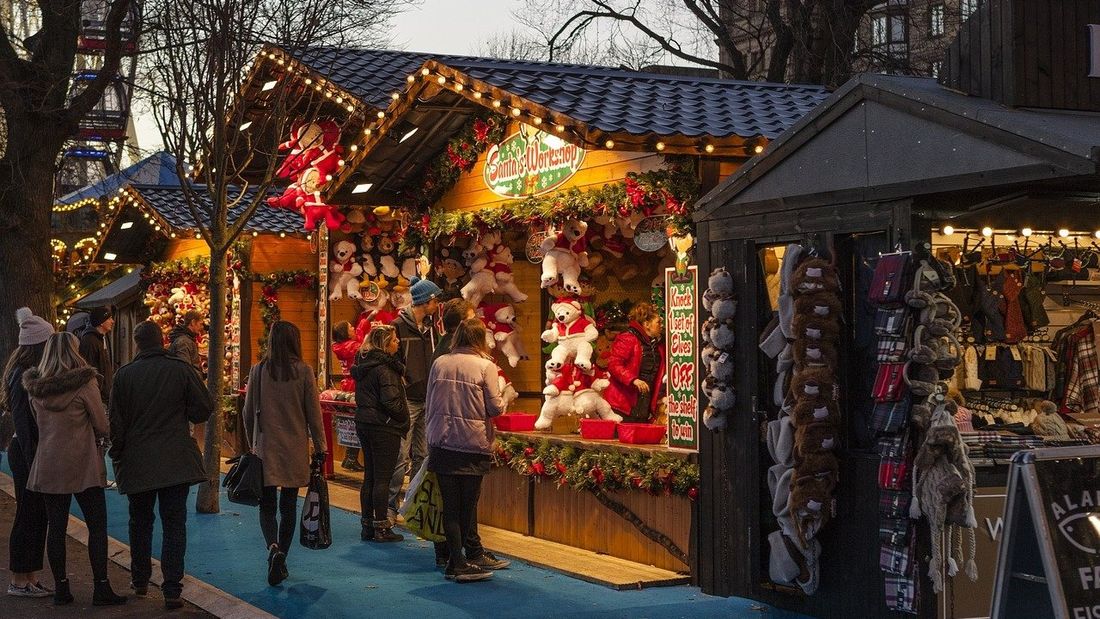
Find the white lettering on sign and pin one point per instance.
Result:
(1086, 612)
(1090, 577)
(1094, 50)
(994, 527)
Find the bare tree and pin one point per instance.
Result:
(40, 115)
(195, 81)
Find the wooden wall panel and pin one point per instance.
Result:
(296, 306)
(504, 500)
(178, 249)
(271, 253)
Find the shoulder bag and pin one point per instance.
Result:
(245, 481)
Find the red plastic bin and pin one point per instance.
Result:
(598, 429)
(641, 433)
(515, 422)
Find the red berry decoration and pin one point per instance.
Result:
(529, 451)
(539, 468)
(561, 467)
(693, 493)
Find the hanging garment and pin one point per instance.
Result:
(1083, 376)
(1035, 367)
(1031, 302)
(1015, 327)
(989, 322)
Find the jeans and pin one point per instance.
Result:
(281, 533)
(93, 505)
(460, 497)
(173, 520)
(380, 451)
(414, 450)
(28, 530)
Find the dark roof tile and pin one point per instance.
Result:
(170, 203)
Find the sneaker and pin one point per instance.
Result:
(43, 588)
(27, 591)
(111, 485)
(351, 465)
(487, 561)
(276, 567)
(466, 573)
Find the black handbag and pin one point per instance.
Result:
(245, 481)
(315, 529)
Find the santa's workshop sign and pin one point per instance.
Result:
(530, 162)
(682, 350)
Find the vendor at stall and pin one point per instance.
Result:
(345, 345)
(637, 366)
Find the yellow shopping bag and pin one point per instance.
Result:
(423, 506)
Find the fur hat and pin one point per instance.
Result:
(807, 411)
(1048, 423)
(816, 463)
(811, 503)
(813, 384)
(814, 275)
(99, 315)
(808, 353)
(923, 380)
(814, 437)
(811, 327)
(818, 304)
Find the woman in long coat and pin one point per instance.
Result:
(280, 407)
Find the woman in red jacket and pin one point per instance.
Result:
(637, 366)
(345, 345)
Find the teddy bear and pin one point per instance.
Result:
(345, 271)
(564, 255)
(500, 320)
(558, 394)
(587, 401)
(409, 260)
(482, 281)
(401, 297)
(714, 419)
(366, 261)
(500, 264)
(508, 392)
(385, 254)
(573, 332)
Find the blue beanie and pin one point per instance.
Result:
(424, 290)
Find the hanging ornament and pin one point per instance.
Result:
(534, 246)
(651, 234)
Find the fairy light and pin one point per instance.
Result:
(441, 80)
(458, 87)
(987, 231)
(477, 94)
(537, 120)
(709, 148)
(367, 131)
(609, 144)
(395, 96)
(1026, 232)
(516, 111)
(948, 230)
(425, 72)
(410, 79)
(660, 145)
(255, 234)
(759, 148)
(1063, 233)
(381, 115)
(496, 102)
(560, 128)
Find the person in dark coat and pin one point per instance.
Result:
(155, 459)
(28, 529)
(94, 349)
(381, 421)
(183, 340)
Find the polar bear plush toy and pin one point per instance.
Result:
(573, 332)
(345, 271)
(500, 264)
(482, 282)
(500, 320)
(587, 398)
(558, 393)
(565, 253)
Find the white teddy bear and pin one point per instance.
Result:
(345, 271)
(500, 320)
(558, 393)
(587, 398)
(500, 264)
(482, 281)
(573, 332)
(564, 254)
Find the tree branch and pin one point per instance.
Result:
(628, 515)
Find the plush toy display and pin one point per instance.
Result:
(508, 392)
(500, 320)
(500, 264)
(719, 342)
(564, 254)
(345, 271)
(587, 401)
(558, 394)
(573, 332)
(366, 247)
(377, 311)
(310, 143)
(315, 156)
(482, 282)
(385, 253)
(450, 271)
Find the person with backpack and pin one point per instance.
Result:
(156, 461)
(72, 426)
(282, 407)
(28, 529)
(381, 421)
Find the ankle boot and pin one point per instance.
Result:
(383, 532)
(367, 532)
(61, 593)
(104, 595)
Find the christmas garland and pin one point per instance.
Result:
(462, 151)
(269, 289)
(667, 190)
(597, 470)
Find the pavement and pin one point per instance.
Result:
(80, 579)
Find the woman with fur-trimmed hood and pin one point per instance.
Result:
(68, 408)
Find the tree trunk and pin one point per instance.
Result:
(26, 274)
(208, 495)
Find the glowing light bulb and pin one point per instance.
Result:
(609, 144)
(1063, 233)
(1026, 232)
(948, 230)
(987, 231)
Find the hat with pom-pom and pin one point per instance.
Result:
(32, 329)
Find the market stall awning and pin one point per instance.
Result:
(119, 292)
(882, 137)
(145, 217)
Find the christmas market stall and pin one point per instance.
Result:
(556, 199)
(917, 278)
(271, 269)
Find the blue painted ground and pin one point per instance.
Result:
(357, 579)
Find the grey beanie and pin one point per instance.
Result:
(32, 329)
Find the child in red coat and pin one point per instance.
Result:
(345, 345)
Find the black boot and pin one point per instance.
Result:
(104, 595)
(383, 532)
(61, 593)
(367, 532)
(351, 465)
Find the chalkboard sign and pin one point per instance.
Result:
(1049, 564)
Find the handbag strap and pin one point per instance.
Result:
(256, 408)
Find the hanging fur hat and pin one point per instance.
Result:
(812, 438)
(812, 327)
(813, 384)
(923, 380)
(808, 411)
(811, 503)
(809, 353)
(818, 304)
(814, 275)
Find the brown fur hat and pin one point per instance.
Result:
(817, 463)
(811, 327)
(808, 411)
(811, 503)
(814, 384)
(814, 275)
(819, 304)
(813, 438)
(810, 353)
(923, 380)
(940, 442)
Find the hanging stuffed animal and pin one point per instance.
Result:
(374, 312)
(500, 320)
(508, 392)
(564, 254)
(366, 246)
(558, 394)
(312, 205)
(385, 253)
(450, 270)
(345, 271)
(573, 332)
(482, 282)
(500, 264)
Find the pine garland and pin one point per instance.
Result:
(460, 155)
(668, 190)
(598, 470)
(269, 289)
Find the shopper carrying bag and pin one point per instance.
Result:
(315, 531)
(244, 482)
